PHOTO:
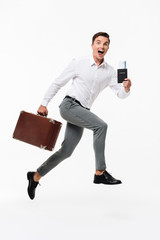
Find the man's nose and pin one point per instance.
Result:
(101, 46)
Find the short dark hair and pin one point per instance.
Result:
(104, 34)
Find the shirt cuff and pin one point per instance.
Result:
(44, 103)
(124, 94)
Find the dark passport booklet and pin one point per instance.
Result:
(122, 74)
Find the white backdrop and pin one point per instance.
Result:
(37, 40)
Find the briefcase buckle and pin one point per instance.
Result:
(43, 147)
(52, 121)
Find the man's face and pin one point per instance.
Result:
(100, 47)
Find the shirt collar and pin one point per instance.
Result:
(92, 62)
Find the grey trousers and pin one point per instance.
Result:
(77, 119)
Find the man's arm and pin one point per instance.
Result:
(59, 82)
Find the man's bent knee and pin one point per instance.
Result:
(105, 126)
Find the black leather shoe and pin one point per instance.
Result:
(106, 178)
(32, 185)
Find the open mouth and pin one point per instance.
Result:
(100, 52)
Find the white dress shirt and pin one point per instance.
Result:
(88, 80)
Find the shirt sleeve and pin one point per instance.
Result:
(64, 77)
(116, 87)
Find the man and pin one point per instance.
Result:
(90, 75)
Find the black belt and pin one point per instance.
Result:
(73, 99)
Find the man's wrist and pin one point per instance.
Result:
(127, 90)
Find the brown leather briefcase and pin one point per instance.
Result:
(37, 130)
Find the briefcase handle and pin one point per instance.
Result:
(40, 114)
